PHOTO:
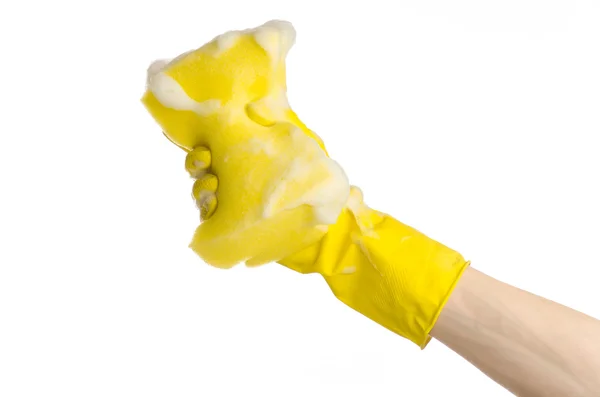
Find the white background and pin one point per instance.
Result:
(475, 121)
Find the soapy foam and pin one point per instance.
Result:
(287, 31)
(278, 103)
(227, 40)
(355, 201)
(204, 196)
(327, 197)
(160, 65)
(266, 146)
(170, 94)
(276, 38)
(154, 68)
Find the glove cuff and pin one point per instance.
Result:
(416, 276)
(388, 271)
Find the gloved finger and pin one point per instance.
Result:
(204, 192)
(197, 161)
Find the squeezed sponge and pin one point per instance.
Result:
(277, 188)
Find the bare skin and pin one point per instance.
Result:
(531, 346)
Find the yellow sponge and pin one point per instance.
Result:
(277, 188)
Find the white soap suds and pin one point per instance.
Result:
(276, 38)
(361, 212)
(154, 68)
(208, 107)
(327, 197)
(170, 93)
(204, 197)
(270, 108)
(160, 65)
(227, 40)
(296, 170)
(266, 146)
(325, 212)
(287, 31)
(355, 201)
(278, 103)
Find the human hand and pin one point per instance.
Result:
(267, 191)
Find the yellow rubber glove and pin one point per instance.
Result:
(390, 272)
(382, 268)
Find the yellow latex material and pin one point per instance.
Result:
(278, 188)
(389, 272)
(382, 268)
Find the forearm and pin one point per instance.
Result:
(531, 346)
